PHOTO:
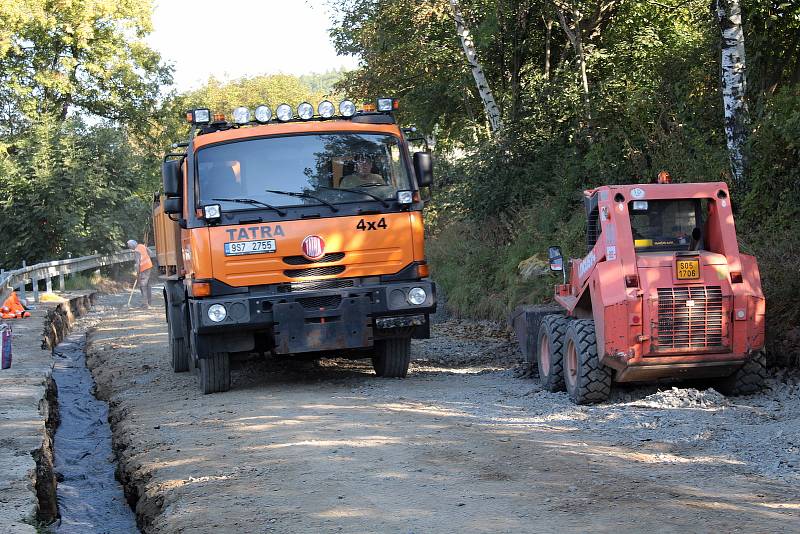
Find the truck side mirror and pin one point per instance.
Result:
(172, 205)
(423, 168)
(170, 175)
(556, 259)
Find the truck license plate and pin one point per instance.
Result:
(688, 269)
(239, 248)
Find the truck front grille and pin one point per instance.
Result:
(315, 303)
(690, 318)
(314, 285)
(314, 271)
(302, 260)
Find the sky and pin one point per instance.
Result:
(253, 37)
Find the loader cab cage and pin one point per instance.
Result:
(593, 228)
(668, 225)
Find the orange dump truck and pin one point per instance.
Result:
(298, 233)
(663, 292)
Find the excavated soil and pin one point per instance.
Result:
(463, 444)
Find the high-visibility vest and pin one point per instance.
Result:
(144, 258)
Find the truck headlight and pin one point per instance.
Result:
(405, 197)
(417, 296)
(217, 313)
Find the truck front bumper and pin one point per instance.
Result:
(310, 321)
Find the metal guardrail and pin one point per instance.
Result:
(19, 278)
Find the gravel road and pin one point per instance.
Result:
(463, 444)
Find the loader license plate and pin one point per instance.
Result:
(688, 269)
(240, 248)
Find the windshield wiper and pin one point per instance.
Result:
(356, 191)
(304, 195)
(252, 202)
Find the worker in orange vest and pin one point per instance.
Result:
(144, 266)
(13, 308)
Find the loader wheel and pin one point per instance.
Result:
(215, 373)
(392, 357)
(749, 379)
(550, 352)
(588, 381)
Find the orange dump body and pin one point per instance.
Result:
(696, 312)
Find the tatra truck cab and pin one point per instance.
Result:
(663, 292)
(296, 233)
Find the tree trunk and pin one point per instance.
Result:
(575, 38)
(549, 27)
(489, 104)
(734, 85)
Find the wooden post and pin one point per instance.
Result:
(61, 282)
(35, 289)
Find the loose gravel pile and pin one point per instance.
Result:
(671, 423)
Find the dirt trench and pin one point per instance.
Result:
(460, 445)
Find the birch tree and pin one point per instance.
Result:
(734, 84)
(485, 92)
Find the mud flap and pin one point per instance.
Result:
(297, 329)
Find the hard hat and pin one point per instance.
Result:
(131, 243)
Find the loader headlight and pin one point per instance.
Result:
(417, 296)
(217, 313)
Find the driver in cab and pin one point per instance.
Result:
(363, 175)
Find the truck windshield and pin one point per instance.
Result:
(665, 224)
(320, 165)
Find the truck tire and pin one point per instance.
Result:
(587, 380)
(392, 357)
(550, 352)
(178, 347)
(215, 373)
(750, 378)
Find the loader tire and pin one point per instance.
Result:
(750, 378)
(215, 373)
(550, 352)
(587, 380)
(392, 357)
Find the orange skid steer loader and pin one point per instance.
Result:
(663, 292)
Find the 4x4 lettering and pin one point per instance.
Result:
(371, 225)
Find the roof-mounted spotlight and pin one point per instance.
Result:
(347, 108)
(284, 112)
(305, 111)
(199, 116)
(326, 109)
(241, 115)
(263, 114)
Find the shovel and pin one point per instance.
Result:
(136, 281)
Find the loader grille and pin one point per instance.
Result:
(690, 318)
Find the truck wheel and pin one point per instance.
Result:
(215, 373)
(750, 378)
(550, 352)
(392, 357)
(588, 381)
(178, 349)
